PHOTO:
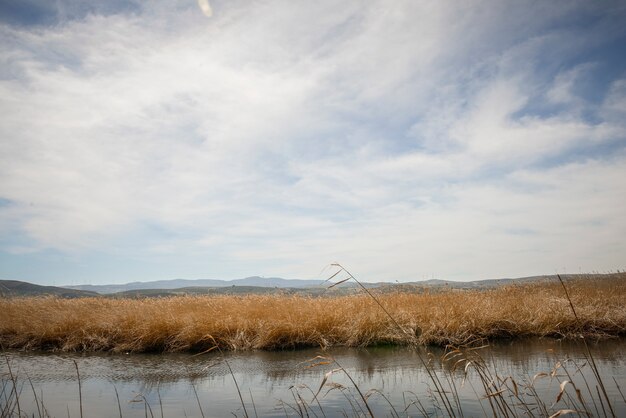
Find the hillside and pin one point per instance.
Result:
(259, 285)
(14, 288)
(270, 282)
(236, 290)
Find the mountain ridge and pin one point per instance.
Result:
(180, 283)
(19, 288)
(281, 283)
(256, 284)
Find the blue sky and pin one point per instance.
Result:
(406, 140)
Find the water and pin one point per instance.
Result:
(283, 383)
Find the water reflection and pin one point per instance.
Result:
(171, 381)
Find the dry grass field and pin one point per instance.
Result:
(198, 323)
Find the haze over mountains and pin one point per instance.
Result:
(272, 282)
(183, 283)
(277, 282)
(256, 285)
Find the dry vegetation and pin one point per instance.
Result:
(197, 323)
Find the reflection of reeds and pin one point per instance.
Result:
(80, 390)
(548, 393)
(196, 323)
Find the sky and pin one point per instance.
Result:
(407, 140)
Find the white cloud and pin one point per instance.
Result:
(490, 132)
(302, 134)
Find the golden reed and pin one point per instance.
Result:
(197, 323)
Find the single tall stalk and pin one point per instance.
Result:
(594, 368)
(431, 374)
(217, 346)
(14, 388)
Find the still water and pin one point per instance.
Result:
(284, 383)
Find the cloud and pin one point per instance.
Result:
(283, 135)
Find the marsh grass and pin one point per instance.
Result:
(199, 323)
(582, 309)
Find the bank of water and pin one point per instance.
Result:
(283, 383)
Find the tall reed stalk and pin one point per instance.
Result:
(434, 378)
(588, 353)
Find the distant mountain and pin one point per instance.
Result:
(256, 281)
(12, 288)
(236, 290)
(488, 283)
(323, 289)
(259, 285)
